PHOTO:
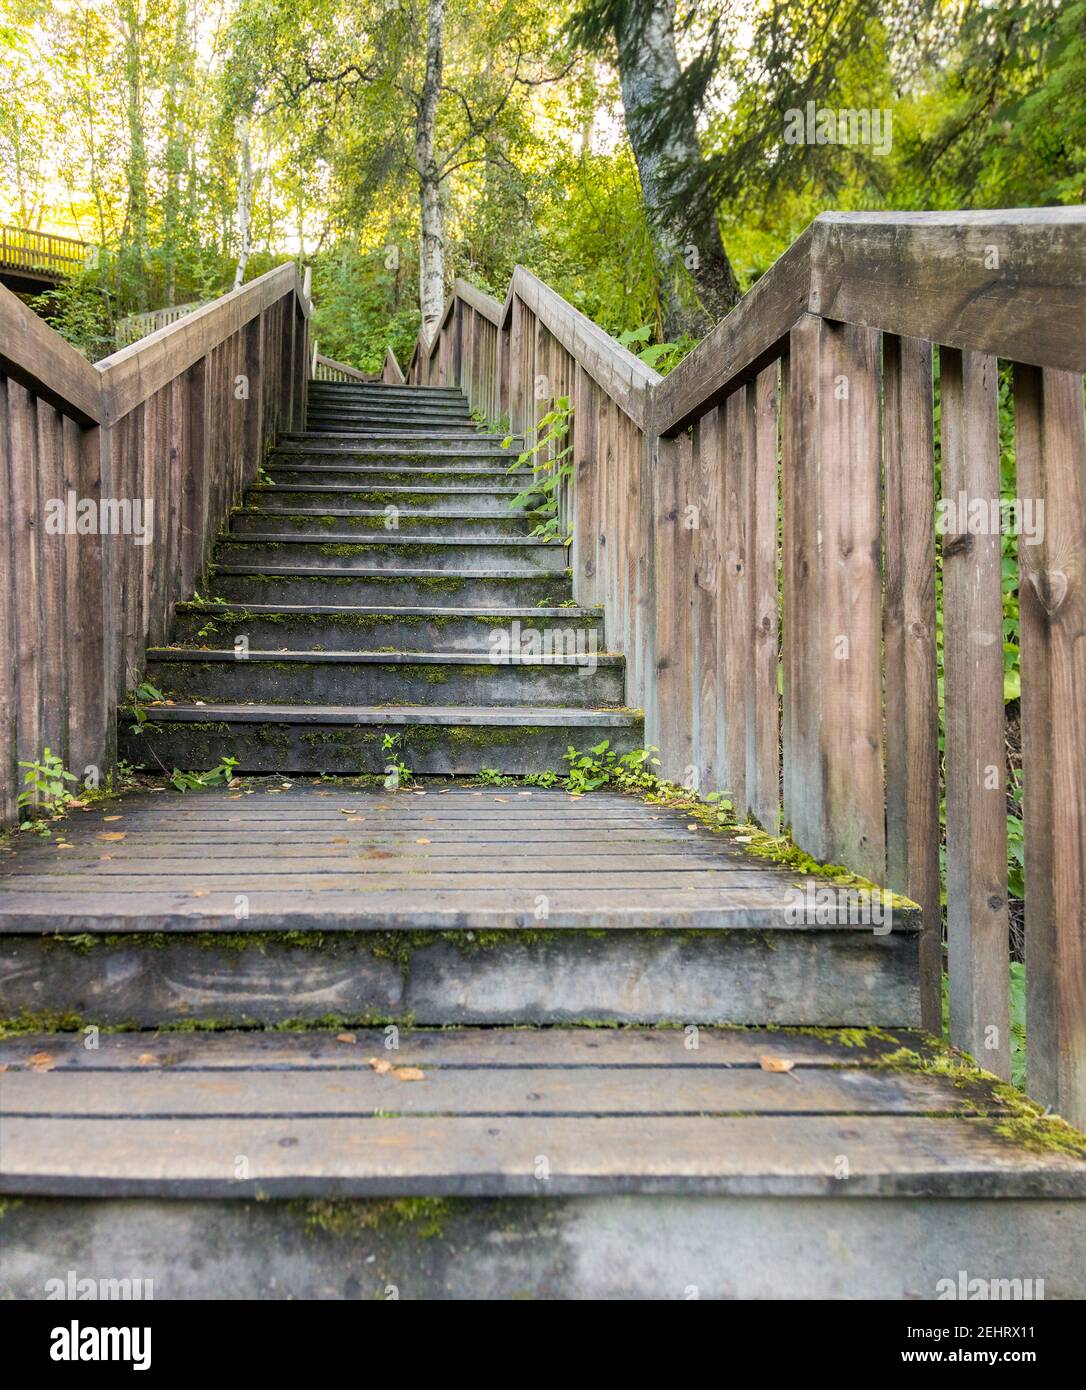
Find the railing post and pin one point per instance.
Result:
(1051, 454)
(833, 594)
(912, 697)
(976, 776)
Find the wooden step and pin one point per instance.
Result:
(629, 1165)
(329, 471)
(378, 521)
(412, 442)
(417, 677)
(348, 740)
(332, 627)
(445, 554)
(356, 584)
(685, 927)
(434, 500)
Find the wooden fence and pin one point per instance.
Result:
(114, 480)
(43, 253)
(328, 369)
(763, 519)
(136, 326)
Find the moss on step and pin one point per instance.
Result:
(424, 1218)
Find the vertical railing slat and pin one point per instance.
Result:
(762, 703)
(909, 633)
(1051, 458)
(976, 810)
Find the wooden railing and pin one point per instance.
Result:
(136, 326)
(766, 514)
(328, 369)
(114, 480)
(43, 252)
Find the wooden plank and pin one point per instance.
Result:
(734, 613)
(671, 730)
(706, 580)
(155, 1094)
(762, 699)
(9, 698)
(833, 770)
(976, 775)
(1051, 459)
(909, 634)
(41, 361)
(517, 1048)
(1011, 283)
(52, 560)
(586, 471)
(27, 578)
(465, 1156)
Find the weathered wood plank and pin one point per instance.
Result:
(798, 1156)
(909, 634)
(672, 728)
(735, 636)
(521, 1048)
(1051, 458)
(762, 698)
(976, 776)
(152, 1093)
(707, 580)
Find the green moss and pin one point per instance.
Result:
(424, 1218)
(1015, 1117)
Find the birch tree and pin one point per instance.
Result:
(431, 230)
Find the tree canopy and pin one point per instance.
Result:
(633, 153)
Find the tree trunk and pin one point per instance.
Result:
(136, 238)
(245, 198)
(690, 245)
(432, 234)
(176, 75)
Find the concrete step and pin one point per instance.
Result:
(528, 1163)
(416, 677)
(339, 628)
(328, 471)
(390, 520)
(348, 740)
(446, 554)
(602, 908)
(436, 499)
(416, 443)
(412, 587)
(364, 391)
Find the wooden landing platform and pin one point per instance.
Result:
(506, 1113)
(307, 856)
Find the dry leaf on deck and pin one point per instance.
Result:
(408, 1074)
(113, 835)
(346, 1038)
(42, 1061)
(380, 1065)
(776, 1063)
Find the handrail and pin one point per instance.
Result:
(116, 479)
(328, 369)
(765, 515)
(938, 276)
(24, 249)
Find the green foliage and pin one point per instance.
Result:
(661, 357)
(397, 773)
(146, 693)
(551, 464)
(44, 783)
(600, 766)
(219, 775)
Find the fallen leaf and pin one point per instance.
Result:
(113, 835)
(113, 817)
(346, 1038)
(63, 844)
(380, 1065)
(105, 856)
(423, 841)
(768, 1063)
(199, 892)
(692, 825)
(408, 1074)
(147, 1059)
(42, 1061)
(3, 1066)
(503, 799)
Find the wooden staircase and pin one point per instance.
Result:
(372, 579)
(458, 1036)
